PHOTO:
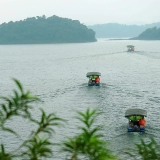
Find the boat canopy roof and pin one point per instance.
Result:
(93, 74)
(130, 46)
(135, 112)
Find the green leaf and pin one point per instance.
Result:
(19, 85)
(9, 130)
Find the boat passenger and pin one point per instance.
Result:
(93, 81)
(142, 122)
(131, 124)
(97, 80)
(90, 80)
(136, 123)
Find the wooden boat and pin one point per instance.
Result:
(93, 76)
(134, 116)
(130, 48)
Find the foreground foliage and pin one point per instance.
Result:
(145, 150)
(86, 144)
(36, 146)
(39, 145)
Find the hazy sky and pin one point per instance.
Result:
(88, 12)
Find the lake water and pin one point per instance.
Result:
(56, 73)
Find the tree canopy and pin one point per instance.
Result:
(149, 34)
(40, 29)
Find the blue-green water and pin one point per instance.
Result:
(57, 74)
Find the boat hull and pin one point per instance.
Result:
(93, 84)
(130, 50)
(136, 129)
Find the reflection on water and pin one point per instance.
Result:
(57, 74)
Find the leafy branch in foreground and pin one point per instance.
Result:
(46, 123)
(146, 150)
(4, 155)
(18, 105)
(88, 143)
(37, 148)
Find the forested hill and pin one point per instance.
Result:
(149, 34)
(115, 30)
(45, 30)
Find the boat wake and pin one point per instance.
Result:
(155, 55)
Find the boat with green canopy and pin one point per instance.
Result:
(94, 79)
(130, 48)
(134, 116)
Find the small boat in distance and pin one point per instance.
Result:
(135, 116)
(130, 48)
(94, 79)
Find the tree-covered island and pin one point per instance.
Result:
(39, 30)
(149, 34)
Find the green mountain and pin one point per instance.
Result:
(38, 29)
(115, 30)
(149, 34)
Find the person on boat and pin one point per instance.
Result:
(90, 80)
(142, 122)
(131, 124)
(136, 123)
(97, 79)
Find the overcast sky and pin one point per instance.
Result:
(88, 12)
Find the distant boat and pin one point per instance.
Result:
(130, 48)
(134, 116)
(94, 79)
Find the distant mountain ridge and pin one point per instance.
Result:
(115, 30)
(38, 30)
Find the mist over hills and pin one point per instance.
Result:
(115, 30)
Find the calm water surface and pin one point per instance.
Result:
(57, 74)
